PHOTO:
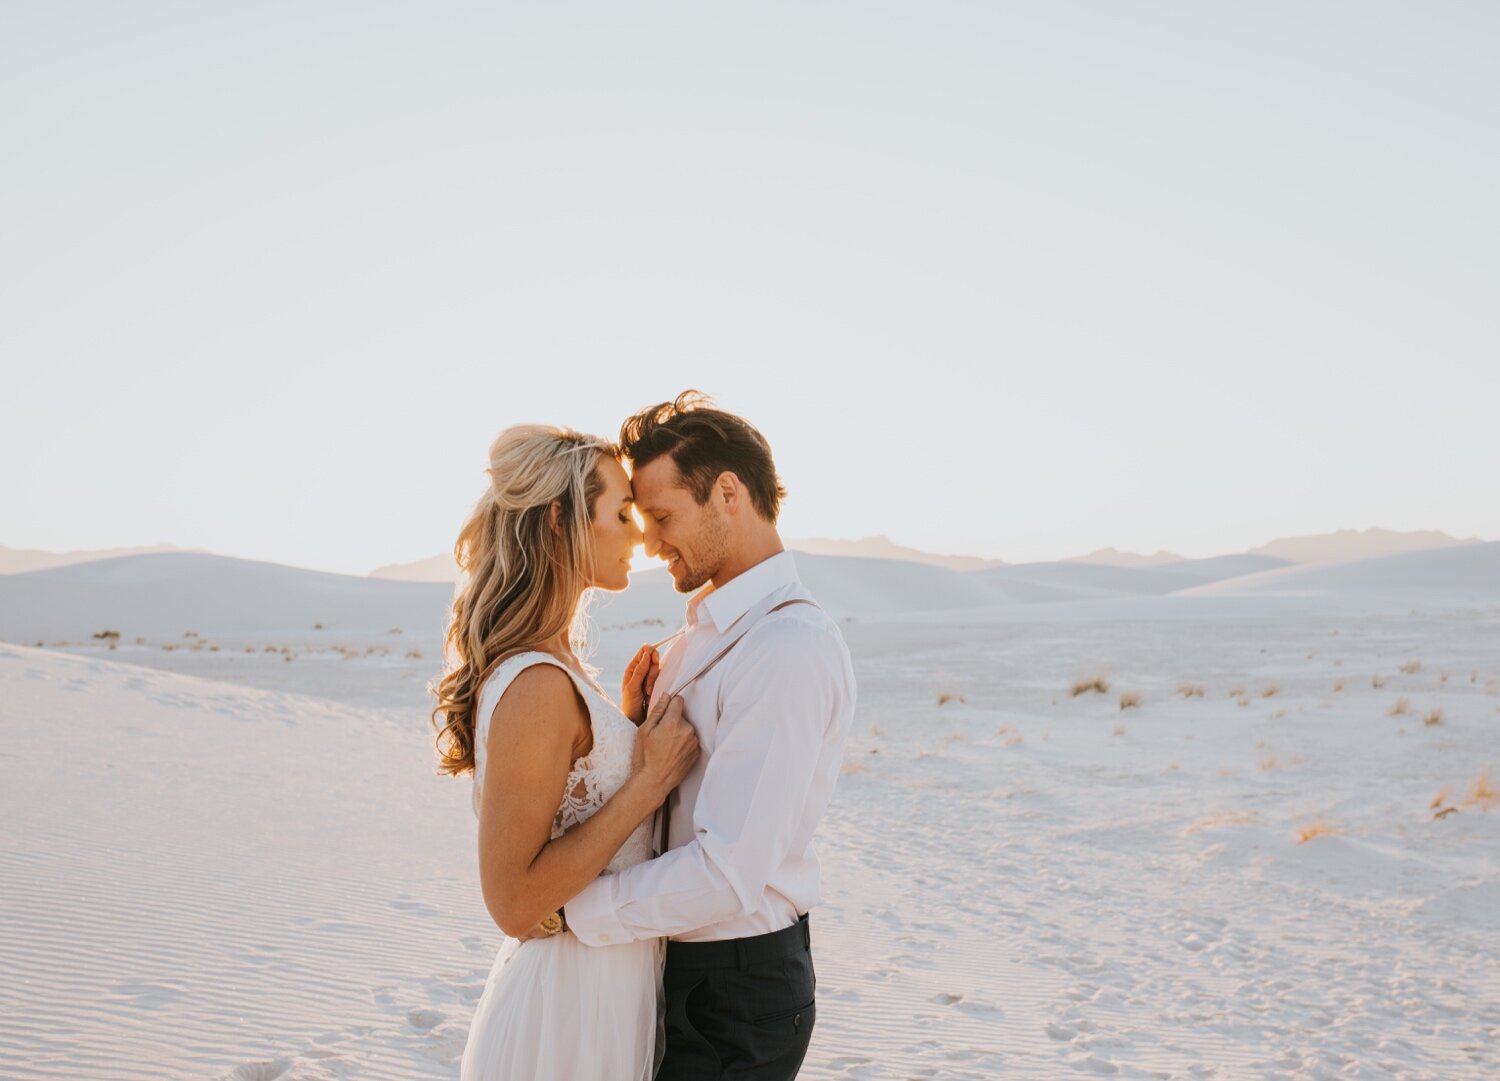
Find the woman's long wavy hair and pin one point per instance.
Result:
(521, 577)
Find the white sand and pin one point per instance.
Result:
(220, 863)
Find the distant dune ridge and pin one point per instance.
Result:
(882, 547)
(21, 560)
(1319, 548)
(170, 593)
(1355, 544)
(438, 568)
(1115, 558)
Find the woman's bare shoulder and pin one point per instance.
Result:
(542, 690)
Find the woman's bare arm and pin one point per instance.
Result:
(524, 874)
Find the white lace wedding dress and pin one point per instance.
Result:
(554, 1009)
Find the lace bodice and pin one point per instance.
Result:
(595, 777)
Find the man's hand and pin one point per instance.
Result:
(639, 682)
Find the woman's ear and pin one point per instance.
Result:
(554, 515)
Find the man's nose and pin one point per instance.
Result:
(652, 537)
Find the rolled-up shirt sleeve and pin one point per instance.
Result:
(777, 703)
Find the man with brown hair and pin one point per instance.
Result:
(767, 683)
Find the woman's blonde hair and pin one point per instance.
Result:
(521, 576)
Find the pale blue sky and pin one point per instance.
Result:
(1012, 280)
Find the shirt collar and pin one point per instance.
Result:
(725, 604)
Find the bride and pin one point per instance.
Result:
(566, 782)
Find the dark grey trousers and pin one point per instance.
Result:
(740, 1009)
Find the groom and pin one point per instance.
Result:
(733, 888)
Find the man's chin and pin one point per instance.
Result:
(684, 583)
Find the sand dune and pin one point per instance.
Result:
(1468, 572)
(167, 594)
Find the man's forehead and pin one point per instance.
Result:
(656, 478)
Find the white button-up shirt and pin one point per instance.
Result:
(771, 717)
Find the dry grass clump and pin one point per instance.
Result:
(1439, 799)
(1316, 829)
(1400, 708)
(1237, 691)
(1130, 699)
(1267, 762)
(1096, 683)
(1191, 690)
(851, 767)
(1271, 690)
(1119, 730)
(944, 697)
(1442, 677)
(414, 654)
(1377, 681)
(1011, 737)
(1411, 668)
(1433, 717)
(110, 638)
(1338, 685)
(1482, 792)
(1223, 818)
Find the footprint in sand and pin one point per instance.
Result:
(260, 1071)
(425, 1020)
(1095, 1065)
(415, 908)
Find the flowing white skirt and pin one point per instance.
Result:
(554, 1009)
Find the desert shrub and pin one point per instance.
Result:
(1096, 683)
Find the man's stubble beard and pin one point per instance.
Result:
(713, 543)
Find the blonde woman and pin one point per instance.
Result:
(566, 781)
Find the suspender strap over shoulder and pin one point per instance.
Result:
(666, 808)
(725, 651)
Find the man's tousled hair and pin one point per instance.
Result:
(704, 442)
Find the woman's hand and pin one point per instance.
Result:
(666, 746)
(639, 682)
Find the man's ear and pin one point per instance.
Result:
(727, 488)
